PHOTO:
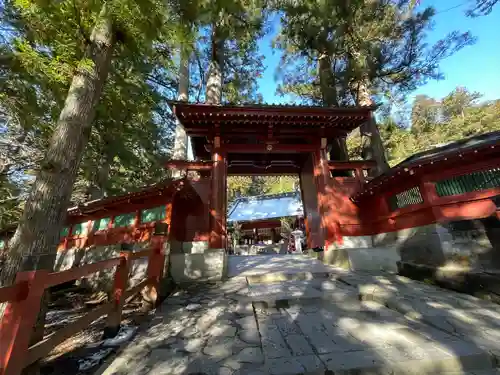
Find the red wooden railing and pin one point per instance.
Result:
(24, 297)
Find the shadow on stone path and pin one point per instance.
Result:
(317, 326)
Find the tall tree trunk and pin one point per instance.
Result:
(328, 89)
(181, 139)
(98, 189)
(34, 245)
(371, 142)
(327, 81)
(214, 77)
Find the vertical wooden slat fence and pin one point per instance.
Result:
(23, 300)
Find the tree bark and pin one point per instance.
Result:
(34, 244)
(99, 187)
(327, 81)
(214, 77)
(371, 142)
(181, 139)
(329, 95)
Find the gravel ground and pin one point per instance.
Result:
(85, 351)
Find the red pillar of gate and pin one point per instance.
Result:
(218, 197)
(322, 176)
(330, 228)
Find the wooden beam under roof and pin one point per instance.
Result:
(189, 165)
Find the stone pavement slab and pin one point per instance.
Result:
(298, 291)
(215, 329)
(286, 290)
(239, 266)
(464, 316)
(309, 364)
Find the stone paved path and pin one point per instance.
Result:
(242, 266)
(400, 327)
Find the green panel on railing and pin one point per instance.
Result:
(153, 214)
(101, 224)
(475, 181)
(124, 220)
(64, 231)
(79, 229)
(405, 198)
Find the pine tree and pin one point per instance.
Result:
(482, 8)
(376, 49)
(49, 53)
(233, 62)
(188, 26)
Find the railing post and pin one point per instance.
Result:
(156, 260)
(119, 288)
(358, 173)
(18, 321)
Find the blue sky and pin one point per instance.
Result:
(476, 67)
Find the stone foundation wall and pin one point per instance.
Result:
(188, 247)
(421, 245)
(199, 267)
(362, 259)
(354, 242)
(468, 244)
(460, 255)
(260, 249)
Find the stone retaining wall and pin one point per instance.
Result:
(188, 247)
(208, 266)
(260, 249)
(363, 259)
(470, 244)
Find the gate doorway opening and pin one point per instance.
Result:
(261, 140)
(263, 212)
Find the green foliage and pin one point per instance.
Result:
(374, 48)
(132, 131)
(424, 114)
(246, 186)
(229, 32)
(457, 102)
(482, 7)
(433, 123)
(44, 42)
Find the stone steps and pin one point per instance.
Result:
(276, 277)
(316, 323)
(300, 292)
(361, 337)
(367, 323)
(463, 316)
